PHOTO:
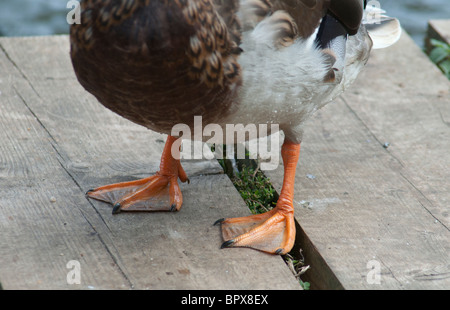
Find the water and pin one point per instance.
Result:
(415, 14)
(46, 17)
(33, 17)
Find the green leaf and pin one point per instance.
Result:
(445, 67)
(440, 44)
(437, 43)
(438, 54)
(305, 285)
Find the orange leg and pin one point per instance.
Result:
(159, 192)
(273, 231)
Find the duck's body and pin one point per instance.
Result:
(195, 58)
(160, 63)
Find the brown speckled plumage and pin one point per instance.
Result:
(159, 62)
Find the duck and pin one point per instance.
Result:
(160, 63)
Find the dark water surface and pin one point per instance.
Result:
(45, 17)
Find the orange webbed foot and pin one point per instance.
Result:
(274, 231)
(159, 192)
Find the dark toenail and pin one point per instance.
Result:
(116, 208)
(227, 244)
(218, 222)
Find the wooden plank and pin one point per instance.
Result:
(438, 29)
(45, 222)
(74, 143)
(365, 208)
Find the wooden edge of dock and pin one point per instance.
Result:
(438, 29)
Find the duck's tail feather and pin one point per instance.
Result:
(383, 30)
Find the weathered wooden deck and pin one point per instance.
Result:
(367, 204)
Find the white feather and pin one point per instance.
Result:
(286, 85)
(386, 33)
(383, 30)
